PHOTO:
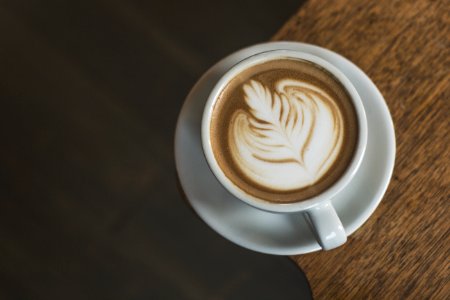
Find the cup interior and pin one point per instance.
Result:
(261, 203)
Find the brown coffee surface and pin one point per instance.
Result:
(284, 130)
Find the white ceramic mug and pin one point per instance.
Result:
(318, 210)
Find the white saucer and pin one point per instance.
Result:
(282, 234)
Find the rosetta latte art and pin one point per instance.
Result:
(288, 138)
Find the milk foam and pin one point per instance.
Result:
(287, 138)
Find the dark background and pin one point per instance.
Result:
(89, 203)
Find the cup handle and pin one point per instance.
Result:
(326, 226)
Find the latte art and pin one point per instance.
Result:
(288, 138)
(283, 131)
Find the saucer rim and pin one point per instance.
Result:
(359, 219)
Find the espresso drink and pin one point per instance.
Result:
(284, 130)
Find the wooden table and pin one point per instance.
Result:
(403, 251)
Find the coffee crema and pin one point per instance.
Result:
(284, 130)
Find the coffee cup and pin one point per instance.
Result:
(285, 131)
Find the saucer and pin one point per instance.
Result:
(271, 233)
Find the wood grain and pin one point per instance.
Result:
(403, 251)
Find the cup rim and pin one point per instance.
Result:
(331, 191)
